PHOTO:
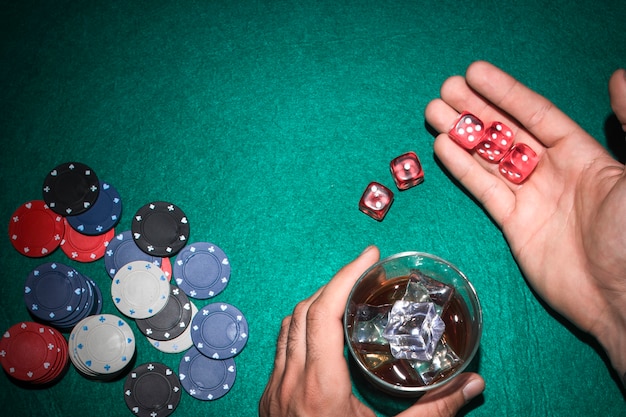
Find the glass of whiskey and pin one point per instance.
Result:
(412, 323)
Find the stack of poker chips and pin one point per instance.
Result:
(33, 353)
(60, 296)
(102, 347)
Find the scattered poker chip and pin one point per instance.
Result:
(205, 378)
(160, 228)
(171, 321)
(178, 344)
(219, 331)
(60, 295)
(71, 188)
(84, 248)
(140, 289)
(34, 353)
(35, 230)
(152, 390)
(102, 216)
(202, 270)
(102, 346)
(122, 249)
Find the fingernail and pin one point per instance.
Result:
(473, 389)
(367, 249)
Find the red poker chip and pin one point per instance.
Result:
(166, 266)
(35, 230)
(84, 248)
(62, 358)
(33, 352)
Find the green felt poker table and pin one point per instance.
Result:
(264, 121)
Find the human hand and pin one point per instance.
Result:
(565, 224)
(311, 376)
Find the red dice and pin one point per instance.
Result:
(406, 171)
(467, 131)
(518, 163)
(376, 201)
(495, 143)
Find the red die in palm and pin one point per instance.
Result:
(496, 142)
(467, 131)
(518, 163)
(406, 170)
(376, 201)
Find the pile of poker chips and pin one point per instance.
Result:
(60, 296)
(102, 346)
(77, 213)
(71, 216)
(33, 353)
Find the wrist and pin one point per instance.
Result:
(611, 334)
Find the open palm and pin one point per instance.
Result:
(565, 224)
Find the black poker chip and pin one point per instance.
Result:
(152, 390)
(71, 188)
(160, 228)
(171, 321)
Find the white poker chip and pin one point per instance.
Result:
(140, 289)
(101, 345)
(178, 344)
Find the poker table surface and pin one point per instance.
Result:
(264, 121)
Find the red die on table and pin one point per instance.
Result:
(376, 201)
(406, 170)
(467, 131)
(518, 163)
(496, 142)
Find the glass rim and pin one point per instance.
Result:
(424, 388)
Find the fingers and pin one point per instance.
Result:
(315, 329)
(617, 93)
(479, 177)
(485, 185)
(295, 339)
(448, 399)
(281, 346)
(325, 338)
(534, 112)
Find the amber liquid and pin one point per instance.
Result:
(457, 335)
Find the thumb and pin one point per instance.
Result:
(617, 94)
(448, 399)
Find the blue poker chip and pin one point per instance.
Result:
(122, 250)
(202, 270)
(219, 331)
(90, 304)
(205, 378)
(102, 216)
(53, 292)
